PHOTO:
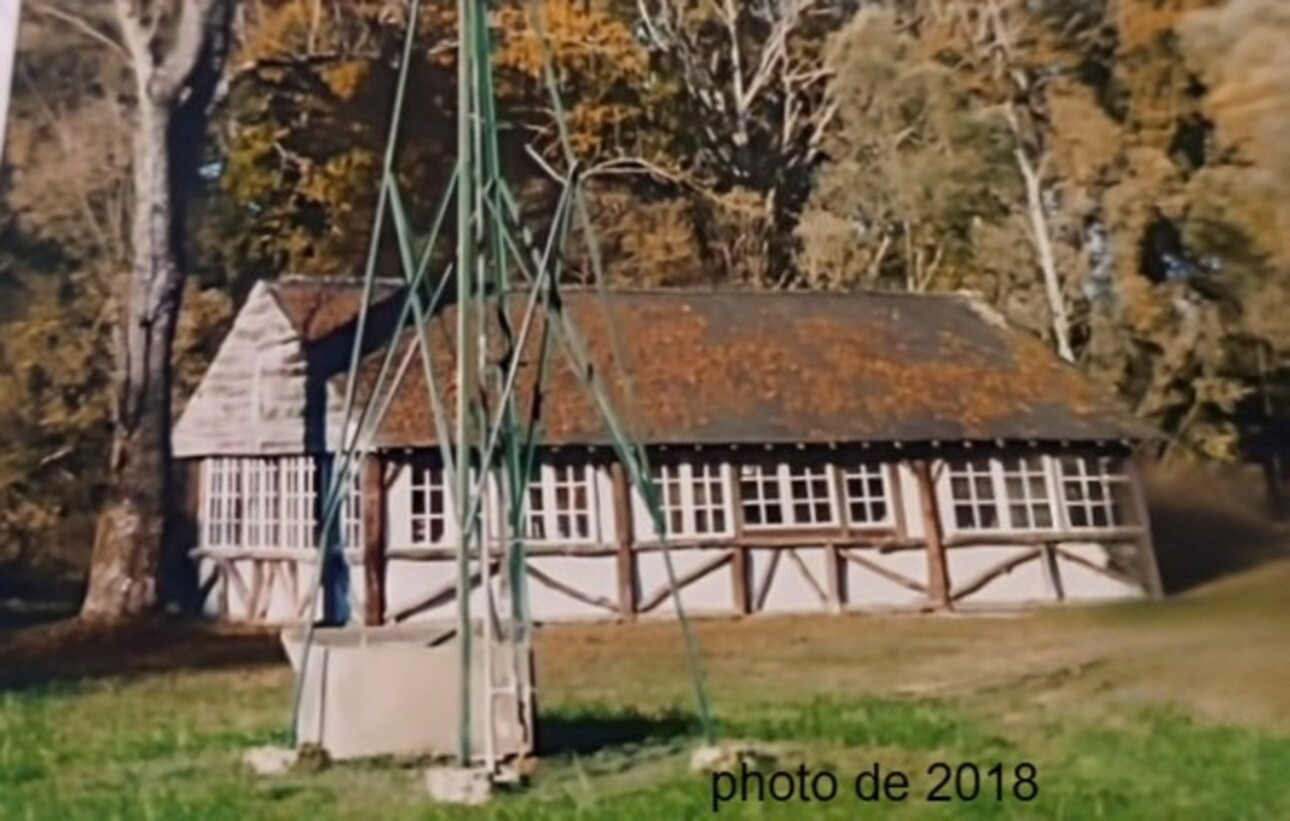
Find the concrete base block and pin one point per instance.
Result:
(372, 692)
(459, 785)
(728, 757)
(270, 760)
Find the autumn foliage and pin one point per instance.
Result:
(1113, 175)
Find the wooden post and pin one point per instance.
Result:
(374, 500)
(740, 568)
(1052, 571)
(624, 542)
(1147, 566)
(938, 580)
(833, 558)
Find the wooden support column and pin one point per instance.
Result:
(1148, 568)
(938, 579)
(624, 542)
(834, 561)
(374, 542)
(740, 565)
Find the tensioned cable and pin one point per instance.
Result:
(643, 478)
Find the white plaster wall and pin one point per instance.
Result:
(866, 589)
(252, 398)
(1026, 583)
(594, 576)
(1082, 584)
(712, 594)
(911, 500)
(789, 590)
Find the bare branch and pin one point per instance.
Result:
(80, 24)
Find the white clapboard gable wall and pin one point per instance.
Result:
(255, 396)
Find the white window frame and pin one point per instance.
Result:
(350, 525)
(1028, 501)
(1107, 480)
(997, 470)
(544, 488)
(298, 505)
(684, 476)
(866, 472)
(427, 479)
(258, 502)
(221, 520)
(785, 476)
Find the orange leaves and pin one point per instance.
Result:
(587, 44)
(345, 79)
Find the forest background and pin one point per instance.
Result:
(1112, 175)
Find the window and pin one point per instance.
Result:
(1095, 492)
(429, 503)
(786, 496)
(351, 509)
(299, 497)
(972, 494)
(1025, 484)
(693, 499)
(1001, 494)
(262, 503)
(561, 504)
(222, 522)
(866, 494)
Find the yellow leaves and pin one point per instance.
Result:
(583, 42)
(345, 79)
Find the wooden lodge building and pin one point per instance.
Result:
(816, 453)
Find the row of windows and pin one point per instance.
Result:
(267, 502)
(696, 498)
(1038, 493)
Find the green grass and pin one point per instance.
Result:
(1125, 713)
(170, 750)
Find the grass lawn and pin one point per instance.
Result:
(1173, 710)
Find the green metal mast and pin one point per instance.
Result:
(467, 125)
(489, 434)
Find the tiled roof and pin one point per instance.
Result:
(771, 367)
(318, 306)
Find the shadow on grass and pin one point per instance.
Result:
(73, 650)
(586, 730)
(1207, 525)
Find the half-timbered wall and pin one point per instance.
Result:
(747, 531)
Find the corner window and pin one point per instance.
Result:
(266, 503)
(1095, 492)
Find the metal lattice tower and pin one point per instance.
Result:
(497, 265)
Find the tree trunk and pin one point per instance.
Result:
(131, 528)
(1042, 241)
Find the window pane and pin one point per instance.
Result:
(1043, 516)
